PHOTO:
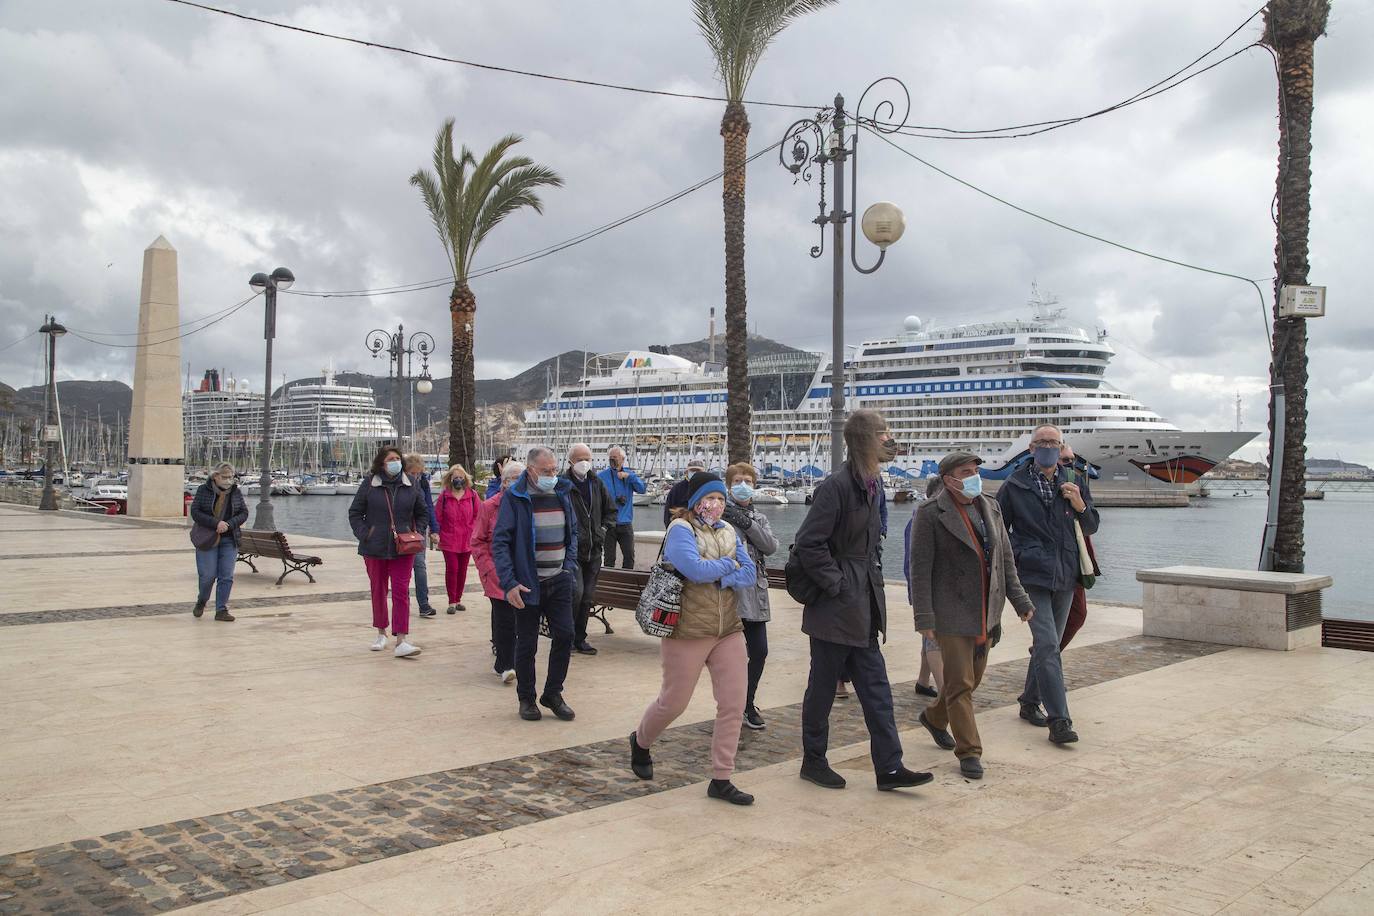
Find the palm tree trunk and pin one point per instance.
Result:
(734, 128)
(1292, 27)
(462, 406)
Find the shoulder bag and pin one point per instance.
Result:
(660, 604)
(203, 538)
(408, 543)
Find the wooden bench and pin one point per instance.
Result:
(620, 588)
(273, 546)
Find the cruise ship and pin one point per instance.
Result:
(314, 424)
(981, 387)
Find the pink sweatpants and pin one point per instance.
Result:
(683, 660)
(393, 573)
(455, 575)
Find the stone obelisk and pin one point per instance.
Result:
(157, 454)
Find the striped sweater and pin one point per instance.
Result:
(550, 534)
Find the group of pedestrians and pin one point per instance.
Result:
(540, 539)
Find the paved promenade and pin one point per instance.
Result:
(152, 762)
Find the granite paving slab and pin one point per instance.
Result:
(166, 866)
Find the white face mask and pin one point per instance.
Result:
(580, 468)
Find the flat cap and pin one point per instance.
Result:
(955, 459)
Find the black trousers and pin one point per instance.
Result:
(502, 635)
(582, 602)
(555, 604)
(756, 642)
(868, 672)
(624, 535)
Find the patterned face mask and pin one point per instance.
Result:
(710, 510)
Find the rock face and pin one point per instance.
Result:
(157, 454)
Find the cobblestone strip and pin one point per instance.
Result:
(141, 553)
(67, 615)
(173, 865)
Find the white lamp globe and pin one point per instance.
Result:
(883, 223)
(424, 386)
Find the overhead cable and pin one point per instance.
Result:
(223, 314)
(480, 66)
(1097, 238)
(532, 255)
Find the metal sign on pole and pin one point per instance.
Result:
(1302, 302)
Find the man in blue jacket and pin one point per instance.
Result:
(622, 483)
(534, 550)
(1040, 508)
(415, 467)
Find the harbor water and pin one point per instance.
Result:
(1220, 531)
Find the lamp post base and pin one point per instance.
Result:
(48, 499)
(263, 520)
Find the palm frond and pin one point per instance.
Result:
(433, 197)
(737, 32)
(515, 192)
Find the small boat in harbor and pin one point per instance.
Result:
(770, 496)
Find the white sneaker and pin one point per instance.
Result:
(405, 649)
(379, 644)
(508, 676)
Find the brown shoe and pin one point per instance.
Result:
(225, 616)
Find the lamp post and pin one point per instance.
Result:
(281, 278)
(50, 430)
(808, 144)
(400, 353)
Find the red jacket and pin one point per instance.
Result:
(457, 517)
(481, 546)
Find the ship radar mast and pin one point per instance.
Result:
(1044, 308)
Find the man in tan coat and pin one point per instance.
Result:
(962, 573)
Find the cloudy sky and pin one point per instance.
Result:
(251, 147)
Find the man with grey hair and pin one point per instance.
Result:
(592, 504)
(1042, 508)
(622, 483)
(534, 549)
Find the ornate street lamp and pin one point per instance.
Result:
(820, 141)
(279, 279)
(400, 353)
(51, 431)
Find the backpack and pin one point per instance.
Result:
(800, 585)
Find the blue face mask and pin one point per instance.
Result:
(1047, 457)
(546, 484)
(972, 487)
(742, 492)
(393, 468)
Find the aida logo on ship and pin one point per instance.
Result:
(643, 363)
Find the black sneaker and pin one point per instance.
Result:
(529, 712)
(555, 705)
(1061, 732)
(822, 775)
(902, 779)
(427, 612)
(585, 648)
(229, 618)
(726, 790)
(1032, 714)
(753, 720)
(640, 761)
(198, 609)
(942, 737)
(923, 691)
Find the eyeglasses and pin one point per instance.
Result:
(1047, 443)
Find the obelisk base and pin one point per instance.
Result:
(156, 490)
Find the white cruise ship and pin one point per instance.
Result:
(313, 424)
(981, 387)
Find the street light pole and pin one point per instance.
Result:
(281, 278)
(808, 145)
(400, 365)
(54, 331)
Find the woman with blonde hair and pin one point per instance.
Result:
(713, 563)
(457, 509)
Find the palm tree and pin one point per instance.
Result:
(738, 32)
(466, 199)
(1291, 28)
